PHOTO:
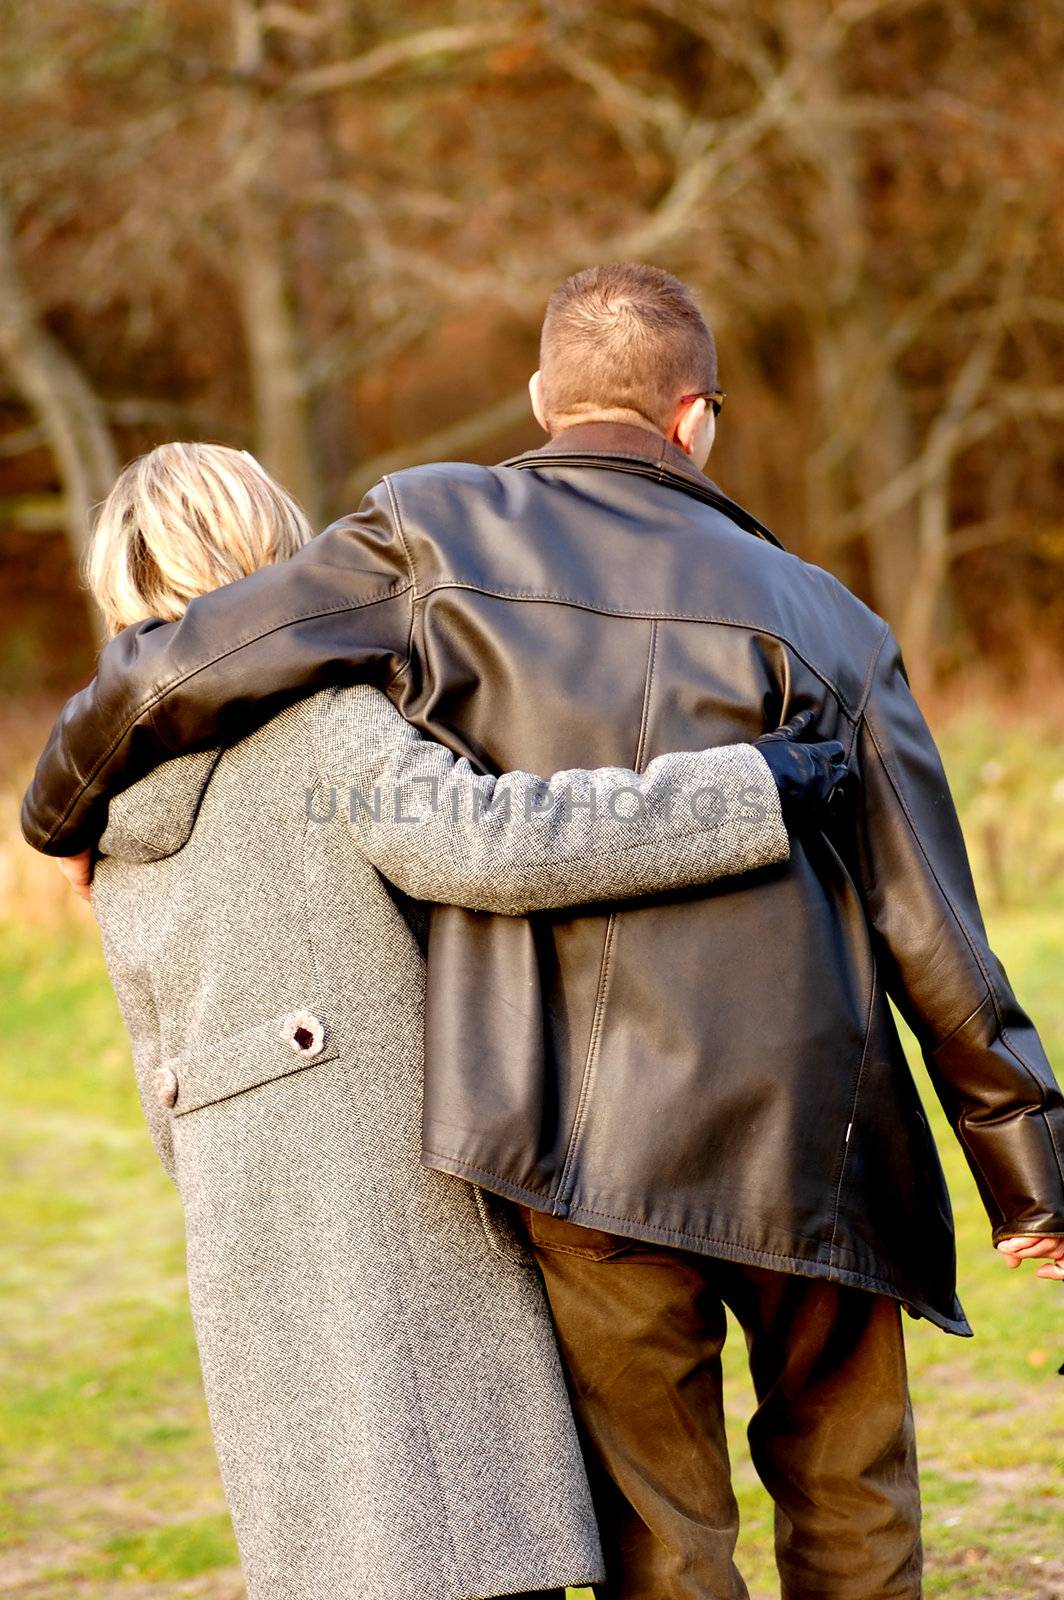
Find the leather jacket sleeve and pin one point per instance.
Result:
(982, 1052)
(344, 603)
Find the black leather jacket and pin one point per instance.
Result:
(717, 1069)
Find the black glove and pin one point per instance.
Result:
(813, 779)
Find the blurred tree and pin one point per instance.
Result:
(326, 230)
(53, 386)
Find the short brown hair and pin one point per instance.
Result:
(626, 338)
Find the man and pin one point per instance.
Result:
(698, 1101)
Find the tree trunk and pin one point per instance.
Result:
(916, 625)
(865, 423)
(54, 387)
(268, 314)
(886, 448)
(278, 384)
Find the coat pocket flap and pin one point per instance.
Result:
(231, 1063)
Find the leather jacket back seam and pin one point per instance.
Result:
(603, 987)
(851, 713)
(844, 1153)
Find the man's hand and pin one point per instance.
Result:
(1049, 1247)
(77, 870)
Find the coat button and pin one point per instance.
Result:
(304, 1033)
(165, 1086)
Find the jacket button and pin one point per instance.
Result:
(304, 1033)
(165, 1086)
(561, 1208)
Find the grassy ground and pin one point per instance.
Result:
(107, 1479)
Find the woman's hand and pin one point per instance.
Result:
(1048, 1247)
(77, 870)
(812, 778)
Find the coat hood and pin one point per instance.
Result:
(155, 817)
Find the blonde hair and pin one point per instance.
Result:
(182, 520)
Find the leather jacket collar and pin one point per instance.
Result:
(624, 447)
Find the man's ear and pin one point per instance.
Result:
(535, 394)
(685, 424)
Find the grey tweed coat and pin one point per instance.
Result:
(385, 1395)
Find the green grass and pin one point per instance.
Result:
(107, 1477)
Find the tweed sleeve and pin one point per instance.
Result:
(519, 843)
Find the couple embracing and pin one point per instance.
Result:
(486, 1097)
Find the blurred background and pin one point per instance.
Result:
(325, 231)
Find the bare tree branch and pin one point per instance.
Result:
(446, 443)
(21, 441)
(35, 513)
(628, 108)
(304, 24)
(982, 535)
(412, 50)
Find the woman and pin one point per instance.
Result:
(384, 1391)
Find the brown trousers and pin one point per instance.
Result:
(641, 1328)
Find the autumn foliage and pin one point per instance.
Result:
(325, 231)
